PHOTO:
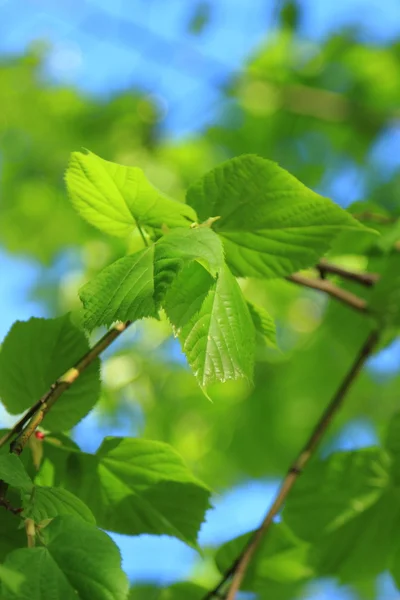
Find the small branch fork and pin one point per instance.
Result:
(237, 570)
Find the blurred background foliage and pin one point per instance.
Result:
(325, 107)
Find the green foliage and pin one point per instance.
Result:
(280, 559)
(13, 472)
(270, 223)
(48, 502)
(219, 339)
(76, 561)
(117, 199)
(50, 348)
(134, 286)
(353, 500)
(135, 486)
(314, 111)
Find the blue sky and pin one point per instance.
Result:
(145, 44)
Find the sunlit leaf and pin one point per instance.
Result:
(270, 223)
(116, 198)
(218, 339)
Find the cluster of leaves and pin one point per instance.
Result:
(246, 218)
(313, 109)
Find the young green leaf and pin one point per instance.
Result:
(124, 290)
(270, 223)
(198, 243)
(186, 295)
(12, 472)
(116, 198)
(134, 286)
(135, 486)
(49, 502)
(78, 561)
(33, 355)
(218, 340)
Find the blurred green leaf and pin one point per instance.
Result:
(281, 559)
(33, 355)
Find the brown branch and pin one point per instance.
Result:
(237, 570)
(332, 290)
(367, 279)
(378, 218)
(28, 423)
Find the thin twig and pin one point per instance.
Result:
(370, 216)
(367, 279)
(237, 570)
(27, 425)
(332, 290)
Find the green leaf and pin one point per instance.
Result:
(133, 287)
(123, 291)
(33, 355)
(263, 324)
(271, 224)
(78, 561)
(385, 298)
(135, 486)
(187, 294)
(12, 533)
(281, 558)
(12, 580)
(219, 339)
(335, 490)
(362, 548)
(348, 508)
(116, 199)
(49, 502)
(13, 472)
(197, 243)
(41, 577)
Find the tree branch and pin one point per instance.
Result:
(238, 569)
(367, 279)
(332, 290)
(28, 423)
